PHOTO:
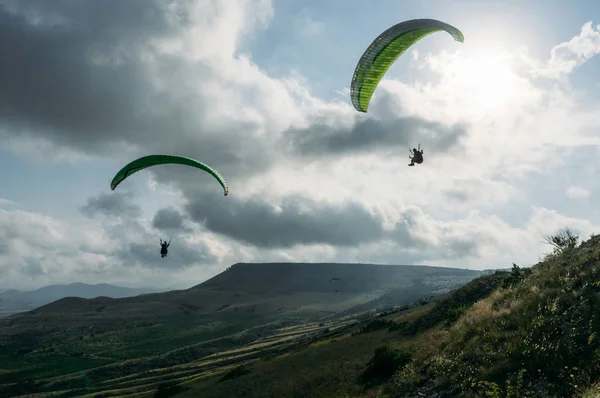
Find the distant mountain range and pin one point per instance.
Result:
(13, 301)
(313, 289)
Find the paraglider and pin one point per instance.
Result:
(164, 248)
(335, 279)
(417, 156)
(153, 160)
(385, 50)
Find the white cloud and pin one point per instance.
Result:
(7, 203)
(576, 192)
(567, 56)
(514, 122)
(37, 248)
(307, 26)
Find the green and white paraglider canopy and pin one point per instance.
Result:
(385, 50)
(154, 160)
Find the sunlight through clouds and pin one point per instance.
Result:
(486, 81)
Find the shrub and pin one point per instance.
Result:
(168, 389)
(384, 364)
(376, 324)
(234, 373)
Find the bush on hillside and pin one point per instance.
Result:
(517, 274)
(236, 372)
(385, 362)
(562, 241)
(168, 389)
(374, 325)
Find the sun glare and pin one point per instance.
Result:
(484, 81)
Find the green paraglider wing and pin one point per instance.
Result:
(385, 50)
(153, 160)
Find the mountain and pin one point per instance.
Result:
(100, 343)
(290, 278)
(528, 332)
(12, 301)
(263, 289)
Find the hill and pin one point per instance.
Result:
(289, 278)
(248, 311)
(337, 364)
(13, 301)
(524, 333)
(264, 288)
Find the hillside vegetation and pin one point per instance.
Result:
(525, 333)
(77, 346)
(535, 336)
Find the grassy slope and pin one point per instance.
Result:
(331, 367)
(534, 337)
(86, 345)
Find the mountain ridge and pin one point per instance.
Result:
(14, 301)
(265, 288)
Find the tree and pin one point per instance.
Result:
(517, 274)
(562, 240)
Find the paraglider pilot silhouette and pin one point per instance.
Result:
(417, 156)
(164, 246)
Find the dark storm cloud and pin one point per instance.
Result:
(168, 219)
(452, 249)
(74, 73)
(369, 135)
(180, 255)
(299, 221)
(48, 78)
(303, 221)
(111, 205)
(4, 244)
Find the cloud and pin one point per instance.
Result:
(169, 219)
(296, 220)
(546, 221)
(477, 241)
(306, 26)
(566, 57)
(117, 204)
(40, 247)
(37, 250)
(181, 255)
(353, 232)
(120, 78)
(131, 81)
(369, 135)
(72, 70)
(479, 192)
(575, 192)
(7, 203)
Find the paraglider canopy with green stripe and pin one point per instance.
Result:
(153, 160)
(385, 50)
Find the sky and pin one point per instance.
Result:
(509, 121)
